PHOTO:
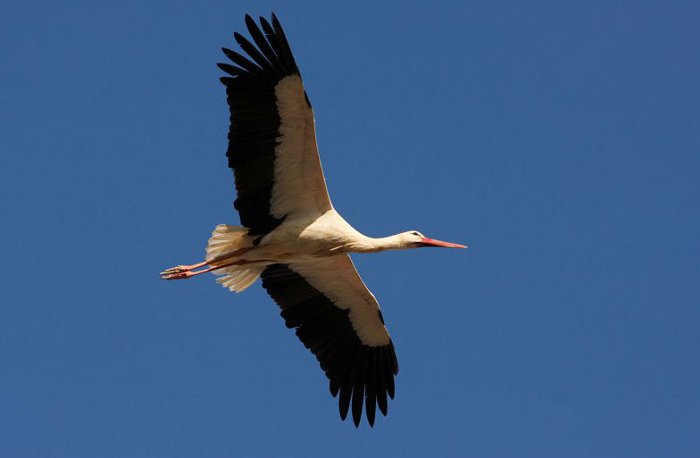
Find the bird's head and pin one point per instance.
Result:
(414, 239)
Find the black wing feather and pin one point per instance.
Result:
(242, 61)
(262, 43)
(253, 52)
(231, 69)
(286, 50)
(286, 61)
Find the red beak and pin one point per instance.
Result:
(432, 242)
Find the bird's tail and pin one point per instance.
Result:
(228, 240)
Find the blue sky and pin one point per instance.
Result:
(559, 140)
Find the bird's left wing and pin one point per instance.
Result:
(272, 138)
(339, 320)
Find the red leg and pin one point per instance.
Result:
(181, 275)
(187, 271)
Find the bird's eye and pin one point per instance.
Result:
(415, 233)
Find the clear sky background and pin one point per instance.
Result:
(559, 140)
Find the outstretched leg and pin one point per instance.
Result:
(181, 275)
(186, 271)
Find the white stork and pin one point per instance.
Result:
(291, 236)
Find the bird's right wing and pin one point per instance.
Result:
(339, 320)
(272, 139)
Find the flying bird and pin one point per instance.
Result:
(290, 235)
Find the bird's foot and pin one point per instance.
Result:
(177, 275)
(182, 268)
(181, 271)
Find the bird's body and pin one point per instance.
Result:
(310, 237)
(291, 236)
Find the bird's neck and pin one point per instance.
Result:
(373, 245)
